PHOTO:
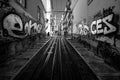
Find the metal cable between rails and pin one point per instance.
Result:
(54, 59)
(43, 61)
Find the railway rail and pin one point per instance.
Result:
(14, 64)
(56, 60)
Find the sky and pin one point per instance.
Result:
(58, 5)
(47, 5)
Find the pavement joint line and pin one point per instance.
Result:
(49, 53)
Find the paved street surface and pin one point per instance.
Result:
(57, 58)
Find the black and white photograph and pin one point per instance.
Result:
(59, 39)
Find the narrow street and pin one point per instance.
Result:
(14, 64)
(57, 60)
(59, 39)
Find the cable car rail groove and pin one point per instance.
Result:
(56, 60)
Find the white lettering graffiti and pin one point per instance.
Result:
(97, 28)
(83, 29)
(35, 26)
(14, 26)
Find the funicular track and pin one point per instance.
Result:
(77, 67)
(56, 60)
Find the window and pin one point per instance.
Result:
(39, 13)
(23, 3)
(89, 2)
(20, 1)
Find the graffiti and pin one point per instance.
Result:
(98, 15)
(4, 3)
(83, 29)
(12, 23)
(89, 2)
(108, 11)
(109, 28)
(29, 26)
(104, 23)
(13, 26)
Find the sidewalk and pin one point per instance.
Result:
(102, 70)
(12, 66)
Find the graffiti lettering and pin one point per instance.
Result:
(13, 24)
(1, 33)
(4, 3)
(29, 26)
(83, 29)
(109, 28)
(93, 27)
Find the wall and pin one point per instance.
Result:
(19, 27)
(105, 18)
(32, 7)
(18, 22)
(79, 12)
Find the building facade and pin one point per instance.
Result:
(20, 20)
(97, 24)
(28, 14)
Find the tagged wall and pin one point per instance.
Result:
(104, 19)
(82, 29)
(15, 24)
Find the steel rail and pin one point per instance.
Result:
(67, 74)
(21, 71)
(73, 65)
(43, 61)
(60, 58)
(54, 59)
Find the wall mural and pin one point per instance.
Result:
(16, 25)
(29, 26)
(82, 29)
(106, 22)
(89, 2)
(13, 26)
(105, 25)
